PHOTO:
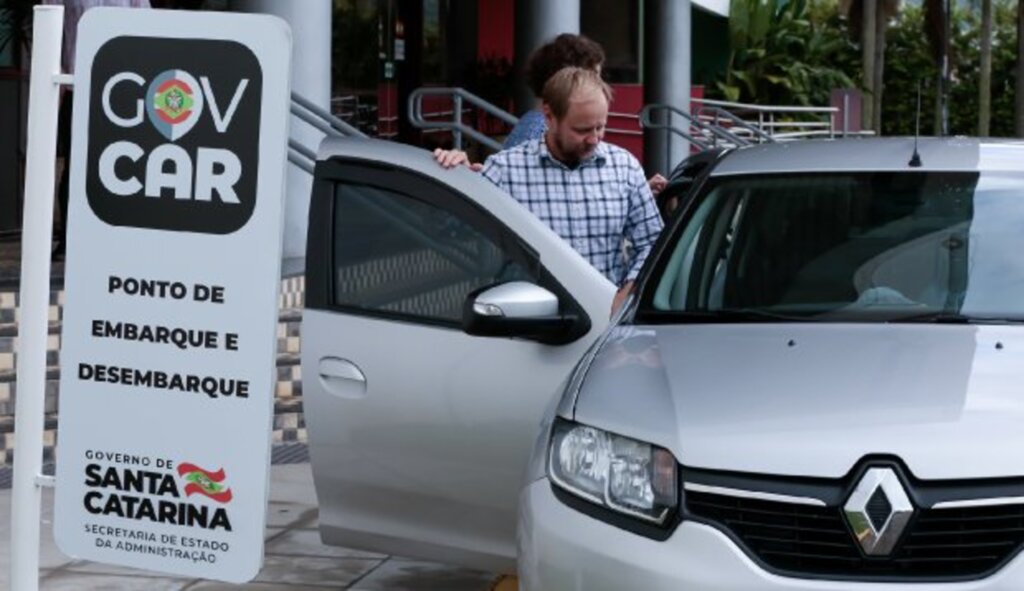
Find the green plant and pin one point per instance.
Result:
(910, 61)
(785, 52)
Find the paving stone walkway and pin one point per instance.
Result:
(295, 559)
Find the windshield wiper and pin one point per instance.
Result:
(723, 316)
(944, 317)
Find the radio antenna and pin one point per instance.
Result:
(915, 159)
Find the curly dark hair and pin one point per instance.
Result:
(563, 51)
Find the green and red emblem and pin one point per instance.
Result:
(204, 482)
(174, 102)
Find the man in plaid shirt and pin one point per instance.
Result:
(592, 194)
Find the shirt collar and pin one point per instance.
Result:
(598, 158)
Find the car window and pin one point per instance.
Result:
(673, 197)
(396, 254)
(842, 247)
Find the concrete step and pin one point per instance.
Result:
(10, 329)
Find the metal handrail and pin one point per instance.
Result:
(766, 115)
(763, 108)
(303, 156)
(648, 122)
(321, 119)
(297, 159)
(717, 112)
(456, 125)
(301, 149)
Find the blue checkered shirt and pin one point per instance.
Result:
(595, 207)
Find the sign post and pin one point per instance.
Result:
(37, 228)
(180, 130)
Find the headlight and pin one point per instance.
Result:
(619, 473)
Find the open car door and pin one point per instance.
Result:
(683, 179)
(419, 431)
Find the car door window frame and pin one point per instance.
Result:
(321, 270)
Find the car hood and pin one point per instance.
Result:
(813, 399)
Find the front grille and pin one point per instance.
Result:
(803, 540)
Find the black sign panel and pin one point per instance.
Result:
(174, 134)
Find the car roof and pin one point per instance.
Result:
(874, 154)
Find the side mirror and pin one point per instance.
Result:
(519, 309)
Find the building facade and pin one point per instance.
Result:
(361, 59)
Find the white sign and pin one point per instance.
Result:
(173, 268)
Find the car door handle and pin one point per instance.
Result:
(342, 378)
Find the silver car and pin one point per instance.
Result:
(816, 385)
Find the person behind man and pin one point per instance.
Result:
(591, 193)
(565, 50)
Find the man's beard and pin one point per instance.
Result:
(572, 157)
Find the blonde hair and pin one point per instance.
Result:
(560, 88)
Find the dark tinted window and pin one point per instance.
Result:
(400, 255)
(615, 24)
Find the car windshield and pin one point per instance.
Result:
(906, 246)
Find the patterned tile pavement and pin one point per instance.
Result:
(295, 559)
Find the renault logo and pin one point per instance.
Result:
(878, 511)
